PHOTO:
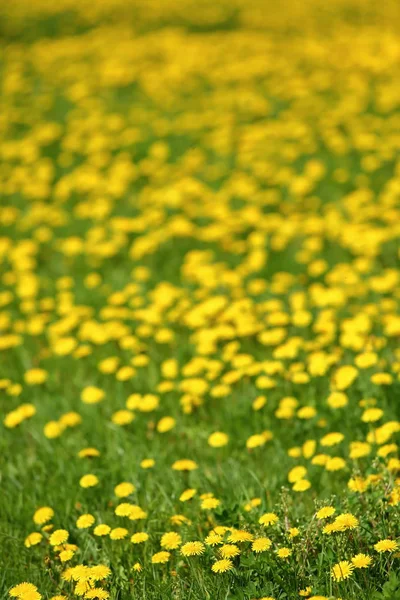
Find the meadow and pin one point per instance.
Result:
(199, 300)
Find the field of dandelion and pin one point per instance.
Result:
(199, 300)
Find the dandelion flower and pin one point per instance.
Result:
(268, 519)
(192, 549)
(336, 463)
(210, 503)
(139, 538)
(99, 572)
(325, 512)
(88, 453)
(124, 489)
(97, 593)
(118, 533)
(59, 536)
(284, 552)
(88, 481)
(229, 551)
(171, 540)
(296, 474)
(222, 566)
(213, 539)
(185, 464)
(301, 485)
(371, 415)
(187, 495)
(386, 546)
(33, 539)
(160, 558)
(218, 439)
(102, 529)
(165, 424)
(342, 570)
(85, 521)
(261, 544)
(22, 589)
(92, 395)
(35, 376)
(66, 555)
(43, 515)
(346, 521)
(361, 561)
(239, 535)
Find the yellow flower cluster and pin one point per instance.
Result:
(200, 297)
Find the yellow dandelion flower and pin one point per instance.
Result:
(187, 495)
(296, 474)
(97, 593)
(325, 512)
(346, 521)
(335, 463)
(35, 376)
(118, 533)
(210, 503)
(218, 439)
(66, 555)
(229, 551)
(259, 403)
(88, 481)
(23, 589)
(256, 440)
(122, 417)
(301, 485)
(239, 535)
(92, 395)
(165, 424)
(171, 540)
(139, 538)
(332, 439)
(102, 529)
(344, 377)
(85, 521)
(261, 544)
(192, 549)
(222, 566)
(306, 412)
(179, 520)
(361, 561)
(59, 536)
(371, 415)
(88, 453)
(284, 552)
(386, 546)
(147, 463)
(33, 539)
(268, 519)
(160, 558)
(342, 570)
(337, 400)
(213, 539)
(184, 464)
(124, 489)
(358, 484)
